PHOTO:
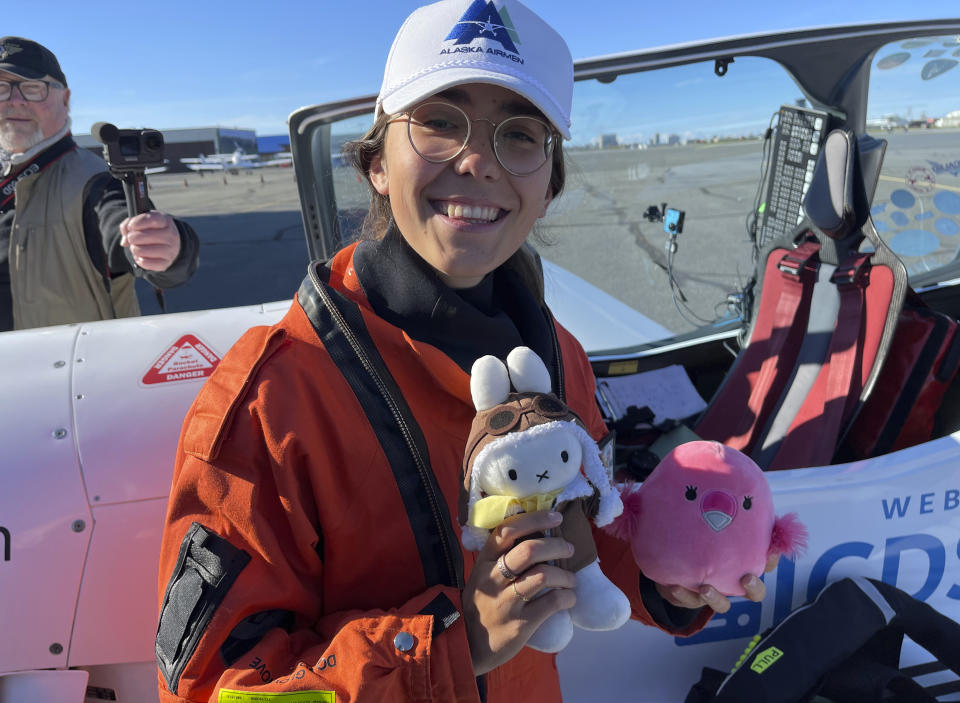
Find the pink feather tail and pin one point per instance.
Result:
(789, 536)
(627, 525)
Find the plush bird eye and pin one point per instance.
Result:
(748, 502)
(564, 457)
(691, 493)
(512, 474)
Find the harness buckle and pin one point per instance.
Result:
(855, 271)
(803, 259)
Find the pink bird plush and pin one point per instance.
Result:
(705, 515)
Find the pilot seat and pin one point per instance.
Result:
(841, 360)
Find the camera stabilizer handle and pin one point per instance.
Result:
(135, 190)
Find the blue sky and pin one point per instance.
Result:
(187, 64)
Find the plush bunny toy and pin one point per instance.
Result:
(525, 453)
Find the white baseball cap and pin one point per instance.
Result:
(501, 42)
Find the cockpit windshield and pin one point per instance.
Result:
(914, 104)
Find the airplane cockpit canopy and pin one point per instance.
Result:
(683, 163)
(724, 136)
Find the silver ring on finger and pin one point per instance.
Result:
(505, 570)
(518, 593)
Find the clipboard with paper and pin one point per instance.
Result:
(667, 391)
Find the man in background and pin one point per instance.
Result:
(68, 250)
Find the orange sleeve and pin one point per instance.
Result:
(417, 652)
(241, 574)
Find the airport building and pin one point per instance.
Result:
(607, 141)
(181, 143)
(951, 119)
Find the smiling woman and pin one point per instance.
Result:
(334, 558)
(473, 148)
(463, 227)
(351, 425)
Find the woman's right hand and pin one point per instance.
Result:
(501, 613)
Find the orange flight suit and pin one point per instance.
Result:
(288, 549)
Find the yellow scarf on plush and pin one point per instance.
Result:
(489, 512)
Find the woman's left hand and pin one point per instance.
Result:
(709, 596)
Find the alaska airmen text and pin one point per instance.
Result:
(481, 50)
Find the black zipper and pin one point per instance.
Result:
(560, 384)
(398, 418)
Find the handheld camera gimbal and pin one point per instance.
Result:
(128, 153)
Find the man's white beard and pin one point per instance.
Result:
(16, 143)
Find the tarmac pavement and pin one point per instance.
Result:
(253, 248)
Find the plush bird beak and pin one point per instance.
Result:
(718, 509)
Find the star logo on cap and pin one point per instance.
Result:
(483, 19)
(9, 49)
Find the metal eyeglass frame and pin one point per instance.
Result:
(548, 151)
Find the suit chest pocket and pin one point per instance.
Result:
(37, 268)
(19, 261)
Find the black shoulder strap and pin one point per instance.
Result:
(844, 646)
(339, 325)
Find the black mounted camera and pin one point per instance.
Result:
(128, 153)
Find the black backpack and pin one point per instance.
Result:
(844, 647)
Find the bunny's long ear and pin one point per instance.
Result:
(473, 538)
(527, 371)
(610, 503)
(489, 382)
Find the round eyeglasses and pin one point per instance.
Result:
(439, 132)
(32, 91)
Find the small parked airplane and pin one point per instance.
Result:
(222, 162)
(281, 160)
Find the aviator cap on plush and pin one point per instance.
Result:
(500, 42)
(28, 59)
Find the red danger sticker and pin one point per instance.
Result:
(185, 360)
